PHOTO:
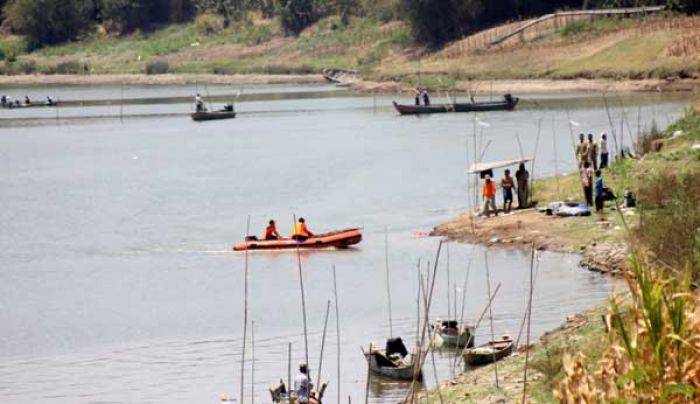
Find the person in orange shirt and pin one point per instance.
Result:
(488, 192)
(271, 232)
(301, 232)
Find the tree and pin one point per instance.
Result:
(47, 22)
(436, 22)
(126, 15)
(295, 15)
(230, 10)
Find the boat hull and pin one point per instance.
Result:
(399, 373)
(212, 115)
(456, 107)
(338, 239)
(464, 339)
(502, 350)
(32, 105)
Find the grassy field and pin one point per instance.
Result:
(654, 47)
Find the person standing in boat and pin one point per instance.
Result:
(27, 101)
(522, 176)
(604, 151)
(271, 231)
(507, 186)
(488, 193)
(302, 384)
(417, 95)
(426, 97)
(301, 232)
(198, 103)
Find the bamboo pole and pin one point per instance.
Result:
(245, 312)
(369, 373)
(388, 279)
(556, 163)
(612, 126)
(303, 309)
(529, 316)
(289, 369)
(431, 335)
(252, 362)
(530, 187)
(447, 270)
(493, 335)
(337, 330)
(323, 345)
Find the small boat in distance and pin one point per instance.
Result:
(452, 335)
(489, 352)
(509, 102)
(336, 239)
(393, 361)
(226, 113)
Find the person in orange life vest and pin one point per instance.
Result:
(301, 232)
(271, 232)
(488, 192)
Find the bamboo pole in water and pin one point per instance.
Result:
(245, 312)
(388, 279)
(530, 188)
(252, 362)
(529, 316)
(612, 125)
(447, 270)
(493, 335)
(369, 373)
(337, 330)
(556, 163)
(303, 309)
(431, 335)
(323, 345)
(289, 369)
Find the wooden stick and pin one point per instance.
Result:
(252, 362)
(529, 315)
(612, 126)
(493, 335)
(369, 373)
(530, 188)
(337, 329)
(388, 278)
(431, 335)
(323, 345)
(447, 270)
(303, 309)
(556, 163)
(289, 369)
(245, 313)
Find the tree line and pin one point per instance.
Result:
(433, 22)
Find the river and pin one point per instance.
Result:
(117, 283)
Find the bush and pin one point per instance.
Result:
(50, 22)
(208, 24)
(295, 15)
(69, 67)
(157, 67)
(26, 66)
(647, 140)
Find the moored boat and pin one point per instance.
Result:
(451, 334)
(11, 105)
(336, 239)
(509, 102)
(226, 113)
(393, 361)
(489, 352)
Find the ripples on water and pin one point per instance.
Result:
(117, 283)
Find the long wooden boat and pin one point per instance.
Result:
(30, 105)
(509, 102)
(489, 352)
(452, 335)
(213, 115)
(336, 239)
(392, 362)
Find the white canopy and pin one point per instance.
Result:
(485, 166)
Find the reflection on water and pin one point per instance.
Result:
(117, 281)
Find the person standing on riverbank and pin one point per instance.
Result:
(581, 150)
(507, 186)
(522, 176)
(488, 193)
(604, 150)
(592, 152)
(587, 180)
(600, 194)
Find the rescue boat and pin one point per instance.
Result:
(335, 239)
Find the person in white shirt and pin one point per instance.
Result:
(198, 103)
(604, 151)
(302, 384)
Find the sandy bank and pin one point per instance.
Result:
(523, 228)
(160, 79)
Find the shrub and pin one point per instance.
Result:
(50, 21)
(209, 24)
(647, 139)
(157, 67)
(70, 67)
(26, 66)
(295, 15)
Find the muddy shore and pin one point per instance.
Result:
(497, 86)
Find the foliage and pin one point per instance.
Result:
(646, 140)
(295, 15)
(45, 22)
(209, 24)
(157, 67)
(230, 10)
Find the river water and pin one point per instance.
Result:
(118, 213)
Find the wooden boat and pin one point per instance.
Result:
(451, 334)
(280, 394)
(30, 105)
(393, 361)
(340, 76)
(336, 239)
(226, 113)
(489, 352)
(509, 102)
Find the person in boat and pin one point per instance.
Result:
(581, 150)
(49, 100)
(507, 185)
(488, 193)
(271, 231)
(198, 103)
(27, 101)
(522, 177)
(426, 97)
(592, 152)
(302, 384)
(3, 100)
(417, 95)
(301, 232)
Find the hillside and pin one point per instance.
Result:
(609, 48)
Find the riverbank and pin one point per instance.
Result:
(158, 79)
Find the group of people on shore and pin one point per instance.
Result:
(589, 153)
(508, 185)
(422, 94)
(300, 233)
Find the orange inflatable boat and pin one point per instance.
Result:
(336, 239)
